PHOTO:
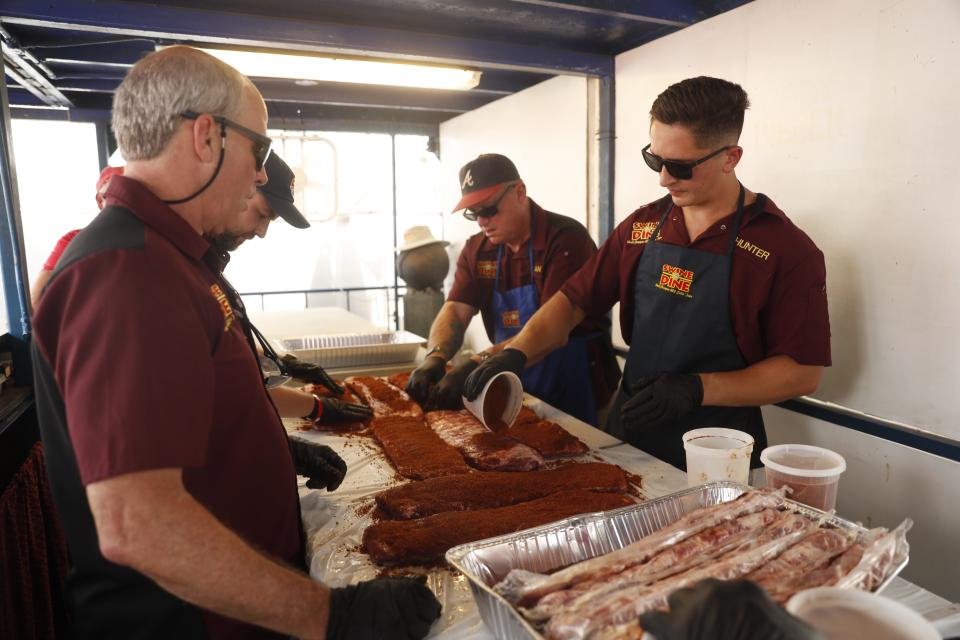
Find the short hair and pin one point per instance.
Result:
(148, 103)
(710, 107)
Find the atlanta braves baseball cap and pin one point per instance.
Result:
(482, 177)
(279, 191)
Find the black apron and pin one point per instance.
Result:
(681, 324)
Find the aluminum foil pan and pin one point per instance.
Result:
(355, 349)
(541, 549)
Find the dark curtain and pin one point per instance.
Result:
(33, 555)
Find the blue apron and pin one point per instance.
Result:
(562, 379)
(681, 324)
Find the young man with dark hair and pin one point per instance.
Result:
(723, 299)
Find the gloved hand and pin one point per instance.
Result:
(382, 609)
(507, 360)
(334, 411)
(309, 372)
(423, 377)
(660, 399)
(717, 610)
(319, 463)
(448, 394)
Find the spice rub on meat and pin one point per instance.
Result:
(482, 448)
(496, 489)
(414, 449)
(383, 398)
(425, 540)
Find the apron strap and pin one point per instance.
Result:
(533, 229)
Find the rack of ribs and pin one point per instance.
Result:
(384, 399)
(425, 540)
(482, 448)
(496, 489)
(415, 451)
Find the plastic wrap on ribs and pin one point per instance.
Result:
(425, 540)
(383, 398)
(496, 489)
(415, 451)
(481, 447)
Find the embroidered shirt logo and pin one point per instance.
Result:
(641, 232)
(225, 307)
(487, 269)
(538, 268)
(511, 319)
(749, 247)
(676, 281)
(467, 180)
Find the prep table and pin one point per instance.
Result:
(335, 523)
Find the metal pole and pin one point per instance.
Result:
(15, 287)
(606, 139)
(396, 286)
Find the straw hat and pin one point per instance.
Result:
(419, 236)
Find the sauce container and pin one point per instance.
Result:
(812, 473)
(499, 402)
(714, 453)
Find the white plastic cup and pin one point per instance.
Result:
(499, 402)
(812, 473)
(714, 453)
(851, 614)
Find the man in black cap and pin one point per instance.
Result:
(521, 257)
(272, 200)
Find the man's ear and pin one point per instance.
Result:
(206, 138)
(521, 190)
(732, 158)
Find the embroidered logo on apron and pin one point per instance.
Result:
(676, 280)
(487, 269)
(511, 319)
(641, 232)
(225, 307)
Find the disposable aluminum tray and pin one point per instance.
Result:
(542, 549)
(355, 349)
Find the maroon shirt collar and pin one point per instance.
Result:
(133, 195)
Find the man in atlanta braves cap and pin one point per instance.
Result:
(521, 257)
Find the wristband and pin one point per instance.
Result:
(437, 350)
(317, 410)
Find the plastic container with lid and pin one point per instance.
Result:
(714, 453)
(849, 614)
(812, 473)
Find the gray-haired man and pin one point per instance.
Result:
(169, 465)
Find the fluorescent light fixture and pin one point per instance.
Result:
(300, 67)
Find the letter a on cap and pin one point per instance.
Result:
(467, 180)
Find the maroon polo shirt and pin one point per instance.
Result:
(141, 364)
(778, 296)
(561, 245)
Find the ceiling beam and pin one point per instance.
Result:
(227, 28)
(609, 13)
(354, 95)
(29, 73)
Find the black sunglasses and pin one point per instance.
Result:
(261, 143)
(678, 169)
(490, 210)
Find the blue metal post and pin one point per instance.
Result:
(15, 287)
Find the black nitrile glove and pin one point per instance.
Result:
(334, 411)
(309, 372)
(424, 377)
(319, 463)
(382, 609)
(661, 399)
(507, 360)
(448, 394)
(718, 610)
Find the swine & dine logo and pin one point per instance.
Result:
(676, 280)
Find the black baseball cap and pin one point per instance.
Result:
(279, 191)
(482, 177)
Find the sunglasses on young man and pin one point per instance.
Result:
(490, 210)
(677, 168)
(261, 143)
